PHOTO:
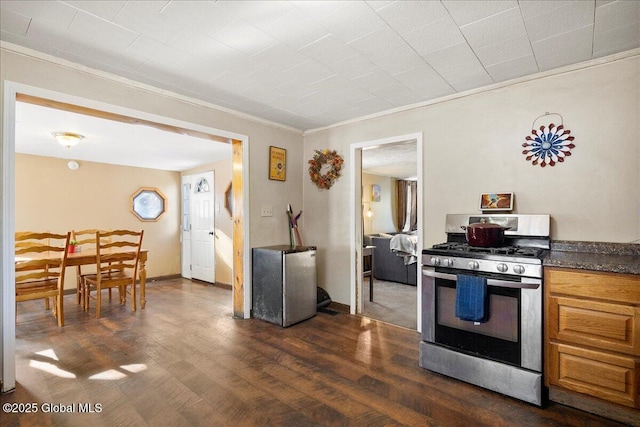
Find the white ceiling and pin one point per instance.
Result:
(108, 141)
(309, 64)
(394, 160)
(114, 142)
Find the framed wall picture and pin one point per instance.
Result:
(375, 193)
(277, 163)
(496, 202)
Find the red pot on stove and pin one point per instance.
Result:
(485, 235)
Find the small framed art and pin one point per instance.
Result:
(277, 163)
(496, 202)
(375, 193)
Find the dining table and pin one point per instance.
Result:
(88, 257)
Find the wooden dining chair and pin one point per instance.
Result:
(85, 240)
(117, 257)
(41, 259)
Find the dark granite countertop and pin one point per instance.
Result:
(597, 256)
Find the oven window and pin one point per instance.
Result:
(498, 338)
(503, 316)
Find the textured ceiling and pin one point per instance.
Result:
(309, 64)
(393, 160)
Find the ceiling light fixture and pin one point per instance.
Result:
(68, 139)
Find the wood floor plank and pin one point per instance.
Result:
(346, 387)
(380, 377)
(380, 386)
(255, 360)
(185, 360)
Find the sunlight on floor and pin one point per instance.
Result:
(110, 374)
(48, 353)
(114, 374)
(51, 368)
(135, 368)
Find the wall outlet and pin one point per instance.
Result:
(267, 210)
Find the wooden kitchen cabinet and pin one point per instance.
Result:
(592, 343)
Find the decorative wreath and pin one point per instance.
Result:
(550, 145)
(325, 157)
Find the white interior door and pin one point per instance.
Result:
(203, 254)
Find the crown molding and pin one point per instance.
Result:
(513, 82)
(20, 50)
(132, 83)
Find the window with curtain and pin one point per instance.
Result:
(407, 209)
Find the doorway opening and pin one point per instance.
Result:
(14, 91)
(387, 229)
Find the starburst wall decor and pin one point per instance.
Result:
(548, 145)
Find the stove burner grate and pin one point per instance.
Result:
(505, 250)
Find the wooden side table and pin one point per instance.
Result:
(367, 251)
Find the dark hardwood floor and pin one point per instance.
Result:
(185, 361)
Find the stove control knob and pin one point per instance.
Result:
(474, 265)
(502, 267)
(518, 269)
(435, 261)
(448, 262)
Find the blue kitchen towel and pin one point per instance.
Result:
(471, 296)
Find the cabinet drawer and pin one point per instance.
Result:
(613, 287)
(606, 326)
(606, 376)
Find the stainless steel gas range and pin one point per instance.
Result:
(502, 351)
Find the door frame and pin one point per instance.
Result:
(185, 259)
(242, 256)
(355, 231)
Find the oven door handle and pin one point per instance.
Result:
(531, 284)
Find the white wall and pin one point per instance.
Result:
(383, 220)
(48, 75)
(472, 145)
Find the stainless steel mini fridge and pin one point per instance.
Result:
(284, 284)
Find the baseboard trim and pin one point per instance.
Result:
(223, 285)
(342, 308)
(69, 291)
(157, 278)
(151, 280)
(216, 284)
(596, 406)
